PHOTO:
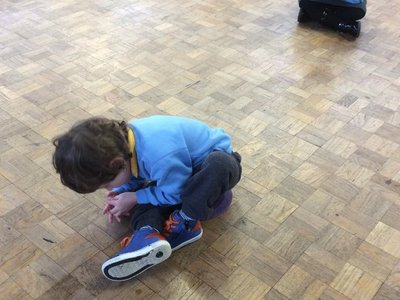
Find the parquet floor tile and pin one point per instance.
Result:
(315, 116)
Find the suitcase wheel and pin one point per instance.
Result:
(303, 16)
(353, 28)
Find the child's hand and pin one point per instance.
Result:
(119, 205)
(108, 207)
(106, 211)
(111, 194)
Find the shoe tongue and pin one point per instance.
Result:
(125, 241)
(177, 216)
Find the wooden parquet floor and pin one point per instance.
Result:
(316, 117)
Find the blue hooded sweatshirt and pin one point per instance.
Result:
(167, 150)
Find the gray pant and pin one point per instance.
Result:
(219, 173)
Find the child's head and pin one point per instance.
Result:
(93, 154)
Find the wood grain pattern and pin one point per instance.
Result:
(314, 114)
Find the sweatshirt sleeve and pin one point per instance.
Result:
(133, 185)
(171, 173)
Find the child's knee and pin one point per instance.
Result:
(218, 158)
(224, 166)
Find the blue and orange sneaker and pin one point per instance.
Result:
(180, 232)
(146, 248)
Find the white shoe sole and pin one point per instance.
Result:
(131, 264)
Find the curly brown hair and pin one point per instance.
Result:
(89, 154)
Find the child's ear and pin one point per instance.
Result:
(118, 163)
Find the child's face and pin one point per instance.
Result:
(123, 177)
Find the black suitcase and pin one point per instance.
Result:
(341, 15)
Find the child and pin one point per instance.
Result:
(153, 167)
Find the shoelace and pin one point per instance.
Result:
(125, 241)
(169, 225)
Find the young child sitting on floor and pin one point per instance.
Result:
(153, 168)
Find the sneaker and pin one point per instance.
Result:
(180, 232)
(146, 248)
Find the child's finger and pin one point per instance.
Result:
(114, 210)
(107, 208)
(110, 218)
(116, 214)
(117, 218)
(112, 202)
(111, 194)
(109, 198)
